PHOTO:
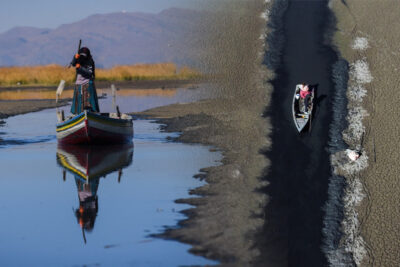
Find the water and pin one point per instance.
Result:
(49, 218)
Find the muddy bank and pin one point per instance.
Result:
(228, 212)
(15, 107)
(371, 197)
(145, 84)
(12, 108)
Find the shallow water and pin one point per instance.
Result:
(46, 216)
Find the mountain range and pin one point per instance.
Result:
(114, 39)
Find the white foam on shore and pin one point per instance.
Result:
(360, 43)
(265, 14)
(357, 93)
(360, 72)
(355, 129)
(343, 243)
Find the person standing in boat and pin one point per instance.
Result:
(305, 94)
(85, 95)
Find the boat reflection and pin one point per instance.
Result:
(88, 164)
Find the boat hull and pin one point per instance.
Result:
(301, 120)
(92, 128)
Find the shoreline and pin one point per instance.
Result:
(10, 108)
(227, 216)
(141, 84)
(371, 193)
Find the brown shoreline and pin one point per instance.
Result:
(142, 84)
(10, 108)
(228, 211)
(16, 107)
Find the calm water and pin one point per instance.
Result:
(75, 206)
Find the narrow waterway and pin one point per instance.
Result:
(300, 166)
(83, 206)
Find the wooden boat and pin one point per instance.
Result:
(301, 119)
(91, 162)
(95, 128)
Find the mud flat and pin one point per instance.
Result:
(12, 108)
(367, 39)
(141, 84)
(228, 212)
(15, 107)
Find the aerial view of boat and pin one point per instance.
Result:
(302, 107)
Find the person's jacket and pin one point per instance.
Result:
(86, 69)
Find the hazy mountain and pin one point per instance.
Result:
(115, 38)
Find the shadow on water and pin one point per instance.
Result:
(88, 164)
(300, 166)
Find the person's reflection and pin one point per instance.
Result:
(88, 164)
(88, 203)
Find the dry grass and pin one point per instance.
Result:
(52, 74)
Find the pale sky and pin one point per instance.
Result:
(52, 13)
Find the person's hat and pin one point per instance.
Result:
(84, 51)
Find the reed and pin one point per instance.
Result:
(52, 74)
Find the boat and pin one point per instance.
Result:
(301, 118)
(95, 128)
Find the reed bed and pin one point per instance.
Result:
(52, 74)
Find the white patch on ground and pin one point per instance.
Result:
(360, 43)
(265, 14)
(359, 72)
(354, 243)
(345, 190)
(357, 93)
(353, 136)
(356, 129)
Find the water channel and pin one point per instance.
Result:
(63, 206)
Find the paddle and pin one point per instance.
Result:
(60, 89)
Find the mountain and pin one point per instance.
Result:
(115, 38)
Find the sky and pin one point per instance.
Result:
(52, 13)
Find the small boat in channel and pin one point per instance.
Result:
(300, 117)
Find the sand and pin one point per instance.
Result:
(369, 31)
(227, 219)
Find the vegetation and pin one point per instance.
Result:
(52, 74)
